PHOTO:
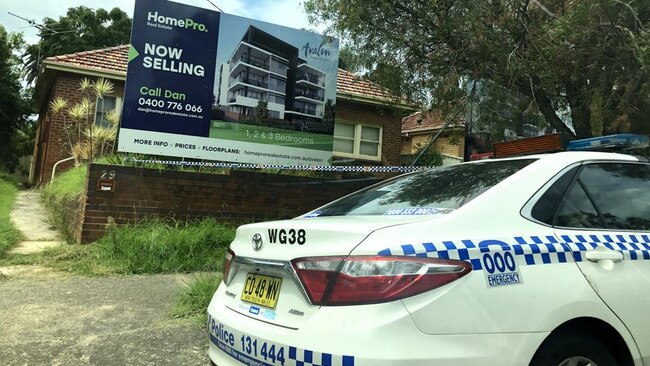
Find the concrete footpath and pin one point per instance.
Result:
(49, 317)
(30, 217)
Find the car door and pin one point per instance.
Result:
(604, 218)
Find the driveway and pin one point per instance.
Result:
(50, 318)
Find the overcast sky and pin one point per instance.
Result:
(289, 13)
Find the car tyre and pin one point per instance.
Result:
(573, 349)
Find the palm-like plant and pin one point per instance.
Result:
(89, 137)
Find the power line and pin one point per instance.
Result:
(215, 5)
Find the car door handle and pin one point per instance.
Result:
(595, 256)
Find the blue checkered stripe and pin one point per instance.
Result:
(324, 168)
(304, 357)
(633, 247)
(534, 250)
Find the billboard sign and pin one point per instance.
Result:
(208, 85)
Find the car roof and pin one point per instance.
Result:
(567, 157)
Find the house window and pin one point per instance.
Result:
(103, 106)
(357, 141)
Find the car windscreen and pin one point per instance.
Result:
(428, 192)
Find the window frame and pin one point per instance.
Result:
(118, 106)
(356, 141)
(526, 210)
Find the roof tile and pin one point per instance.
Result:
(427, 121)
(113, 59)
(348, 83)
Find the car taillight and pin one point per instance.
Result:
(230, 256)
(359, 280)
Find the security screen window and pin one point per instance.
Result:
(435, 190)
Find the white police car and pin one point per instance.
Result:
(541, 260)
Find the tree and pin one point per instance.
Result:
(589, 59)
(261, 112)
(351, 61)
(329, 116)
(14, 105)
(81, 29)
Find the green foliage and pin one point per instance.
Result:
(69, 184)
(196, 296)
(81, 29)
(60, 196)
(430, 157)
(9, 235)
(162, 247)
(329, 115)
(14, 104)
(261, 112)
(351, 61)
(9, 178)
(153, 246)
(585, 58)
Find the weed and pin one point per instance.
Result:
(153, 246)
(9, 235)
(196, 296)
(60, 197)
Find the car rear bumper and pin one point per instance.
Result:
(353, 336)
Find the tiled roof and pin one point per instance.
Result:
(114, 59)
(423, 122)
(350, 84)
(107, 59)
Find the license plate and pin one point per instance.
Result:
(261, 290)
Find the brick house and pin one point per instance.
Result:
(418, 129)
(363, 108)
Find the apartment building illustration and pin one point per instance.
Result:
(265, 68)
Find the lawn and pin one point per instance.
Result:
(9, 235)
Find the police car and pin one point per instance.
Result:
(540, 260)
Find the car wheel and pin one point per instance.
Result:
(573, 349)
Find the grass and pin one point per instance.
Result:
(9, 235)
(157, 246)
(65, 188)
(153, 246)
(67, 184)
(196, 296)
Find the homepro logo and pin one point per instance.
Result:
(157, 20)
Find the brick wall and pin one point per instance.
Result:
(388, 118)
(53, 141)
(237, 197)
(443, 144)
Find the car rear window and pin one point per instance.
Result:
(428, 192)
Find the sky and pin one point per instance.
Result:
(289, 13)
